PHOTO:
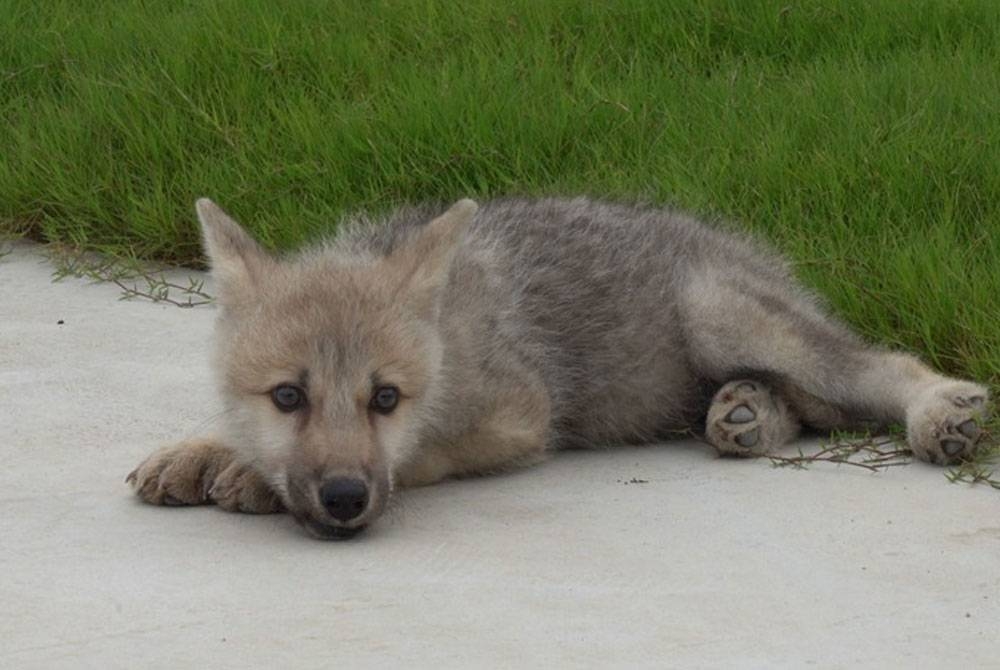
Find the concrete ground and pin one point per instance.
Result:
(701, 562)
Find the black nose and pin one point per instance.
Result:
(344, 498)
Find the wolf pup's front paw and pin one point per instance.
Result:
(202, 471)
(944, 425)
(180, 474)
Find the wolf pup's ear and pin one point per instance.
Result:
(430, 253)
(236, 259)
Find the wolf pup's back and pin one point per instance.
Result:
(589, 295)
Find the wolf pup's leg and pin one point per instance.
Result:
(739, 322)
(202, 471)
(748, 418)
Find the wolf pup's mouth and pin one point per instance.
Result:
(325, 532)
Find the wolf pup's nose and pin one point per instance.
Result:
(344, 498)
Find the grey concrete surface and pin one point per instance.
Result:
(705, 563)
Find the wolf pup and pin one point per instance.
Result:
(436, 345)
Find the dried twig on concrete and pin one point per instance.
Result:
(136, 280)
(871, 453)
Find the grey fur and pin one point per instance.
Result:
(591, 296)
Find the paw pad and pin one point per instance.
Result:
(741, 414)
(749, 438)
(952, 448)
(970, 429)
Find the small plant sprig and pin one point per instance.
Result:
(133, 278)
(985, 467)
(158, 289)
(864, 451)
(974, 472)
(879, 453)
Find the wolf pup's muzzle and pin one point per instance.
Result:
(336, 508)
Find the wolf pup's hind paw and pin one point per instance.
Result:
(747, 419)
(945, 424)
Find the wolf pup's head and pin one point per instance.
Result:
(329, 362)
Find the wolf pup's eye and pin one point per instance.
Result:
(385, 399)
(288, 398)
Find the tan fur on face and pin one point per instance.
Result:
(338, 326)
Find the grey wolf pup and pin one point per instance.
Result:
(440, 344)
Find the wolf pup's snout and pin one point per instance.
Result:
(344, 498)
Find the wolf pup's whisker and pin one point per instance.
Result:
(446, 342)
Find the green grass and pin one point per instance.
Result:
(862, 137)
